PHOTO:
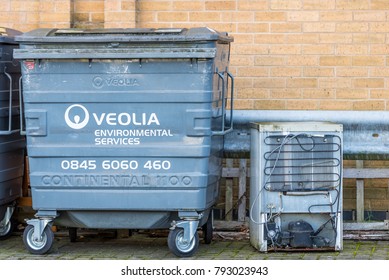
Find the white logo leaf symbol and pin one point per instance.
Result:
(77, 119)
(76, 122)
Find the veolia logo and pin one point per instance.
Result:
(73, 119)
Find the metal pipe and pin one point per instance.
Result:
(365, 136)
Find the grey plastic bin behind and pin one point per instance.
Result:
(12, 144)
(125, 127)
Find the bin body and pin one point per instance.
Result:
(12, 144)
(124, 127)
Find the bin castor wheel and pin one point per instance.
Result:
(73, 234)
(177, 245)
(38, 247)
(7, 229)
(208, 230)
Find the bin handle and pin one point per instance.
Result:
(9, 130)
(225, 130)
(22, 132)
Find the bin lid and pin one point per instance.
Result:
(8, 35)
(72, 35)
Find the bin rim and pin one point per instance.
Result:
(136, 35)
(7, 35)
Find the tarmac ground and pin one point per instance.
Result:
(147, 245)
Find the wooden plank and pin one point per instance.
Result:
(229, 192)
(366, 173)
(242, 190)
(24, 201)
(360, 199)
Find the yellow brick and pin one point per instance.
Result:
(318, 49)
(348, 27)
(204, 16)
(379, 49)
(335, 61)
(269, 38)
(335, 105)
(88, 6)
(188, 5)
(128, 5)
(335, 16)
(319, 4)
(97, 17)
(302, 60)
(287, 93)
(302, 83)
(251, 49)
(302, 38)
(269, 82)
(242, 83)
(352, 49)
(285, 49)
(316, 93)
(379, 5)
(125, 17)
(253, 5)
(303, 16)
(112, 5)
(336, 38)
(352, 72)
(353, 4)
(62, 6)
(253, 72)
(352, 94)
(369, 38)
(370, 16)
(319, 72)
(269, 104)
(253, 93)
(172, 16)
(243, 38)
(55, 17)
(379, 27)
(269, 61)
(237, 16)
(19, 6)
(379, 72)
(368, 61)
(151, 5)
(285, 27)
(286, 4)
(220, 5)
(369, 83)
(335, 83)
(379, 94)
(369, 105)
(146, 16)
(243, 104)
(270, 16)
(302, 104)
(253, 27)
(319, 27)
(285, 72)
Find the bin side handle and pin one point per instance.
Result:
(225, 130)
(9, 130)
(22, 132)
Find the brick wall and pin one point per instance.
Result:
(287, 54)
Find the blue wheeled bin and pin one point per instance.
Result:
(125, 129)
(12, 144)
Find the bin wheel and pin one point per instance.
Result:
(73, 234)
(37, 247)
(7, 229)
(178, 247)
(208, 230)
